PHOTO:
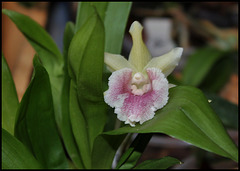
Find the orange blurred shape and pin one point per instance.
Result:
(15, 47)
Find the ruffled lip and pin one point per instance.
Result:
(132, 108)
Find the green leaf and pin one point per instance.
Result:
(67, 38)
(188, 117)
(218, 75)
(9, 98)
(104, 150)
(115, 23)
(35, 123)
(130, 158)
(227, 111)
(86, 9)
(113, 14)
(66, 129)
(15, 155)
(39, 39)
(89, 75)
(86, 53)
(48, 52)
(199, 64)
(162, 163)
(79, 126)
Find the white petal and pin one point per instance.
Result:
(116, 62)
(167, 62)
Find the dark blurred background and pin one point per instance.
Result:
(166, 25)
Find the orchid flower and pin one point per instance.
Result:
(138, 86)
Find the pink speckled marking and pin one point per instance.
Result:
(133, 108)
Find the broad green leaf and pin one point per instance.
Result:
(130, 158)
(104, 150)
(162, 163)
(227, 111)
(188, 117)
(35, 124)
(199, 64)
(9, 98)
(66, 129)
(48, 52)
(15, 155)
(86, 54)
(89, 75)
(79, 41)
(86, 9)
(115, 23)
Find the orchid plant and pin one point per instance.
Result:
(65, 119)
